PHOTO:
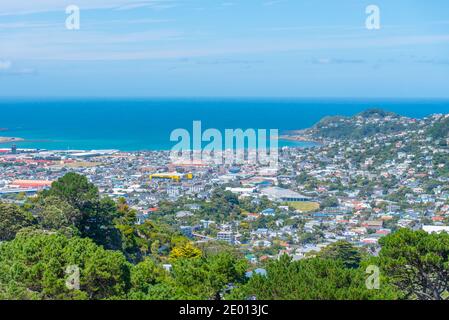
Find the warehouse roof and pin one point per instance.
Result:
(282, 193)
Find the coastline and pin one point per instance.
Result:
(299, 137)
(11, 139)
(6, 140)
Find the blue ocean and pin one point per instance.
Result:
(146, 124)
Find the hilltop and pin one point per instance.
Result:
(440, 129)
(361, 125)
(370, 123)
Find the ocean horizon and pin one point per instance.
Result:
(138, 124)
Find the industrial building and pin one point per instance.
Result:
(283, 195)
(30, 184)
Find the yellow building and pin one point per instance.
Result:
(174, 176)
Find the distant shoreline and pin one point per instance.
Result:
(299, 138)
(6, 140)
(11, 139)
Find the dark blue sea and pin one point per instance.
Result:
(146, 124)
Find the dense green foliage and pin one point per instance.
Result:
(440, 130)
(417, 263)
(33, 266)
(344, 252)
(339, 127)
(310, 279)
(71, 227)
(12, 219)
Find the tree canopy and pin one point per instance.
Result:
(309, 279)
(417, 263)
(12, 219)
(344, 252)
(34, 266)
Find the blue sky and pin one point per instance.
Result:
(230, 48)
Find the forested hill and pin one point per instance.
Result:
(376, 121)
(440, 129)
(364, 124)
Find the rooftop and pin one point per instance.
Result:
(281, 193)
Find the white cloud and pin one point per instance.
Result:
(23, 7)
(170, 44)
(272, 2)
(325, 61)
(50, 41)
(7, 68)
(5, 65)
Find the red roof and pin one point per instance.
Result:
(31, 183)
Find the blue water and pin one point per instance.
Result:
(146, 124)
